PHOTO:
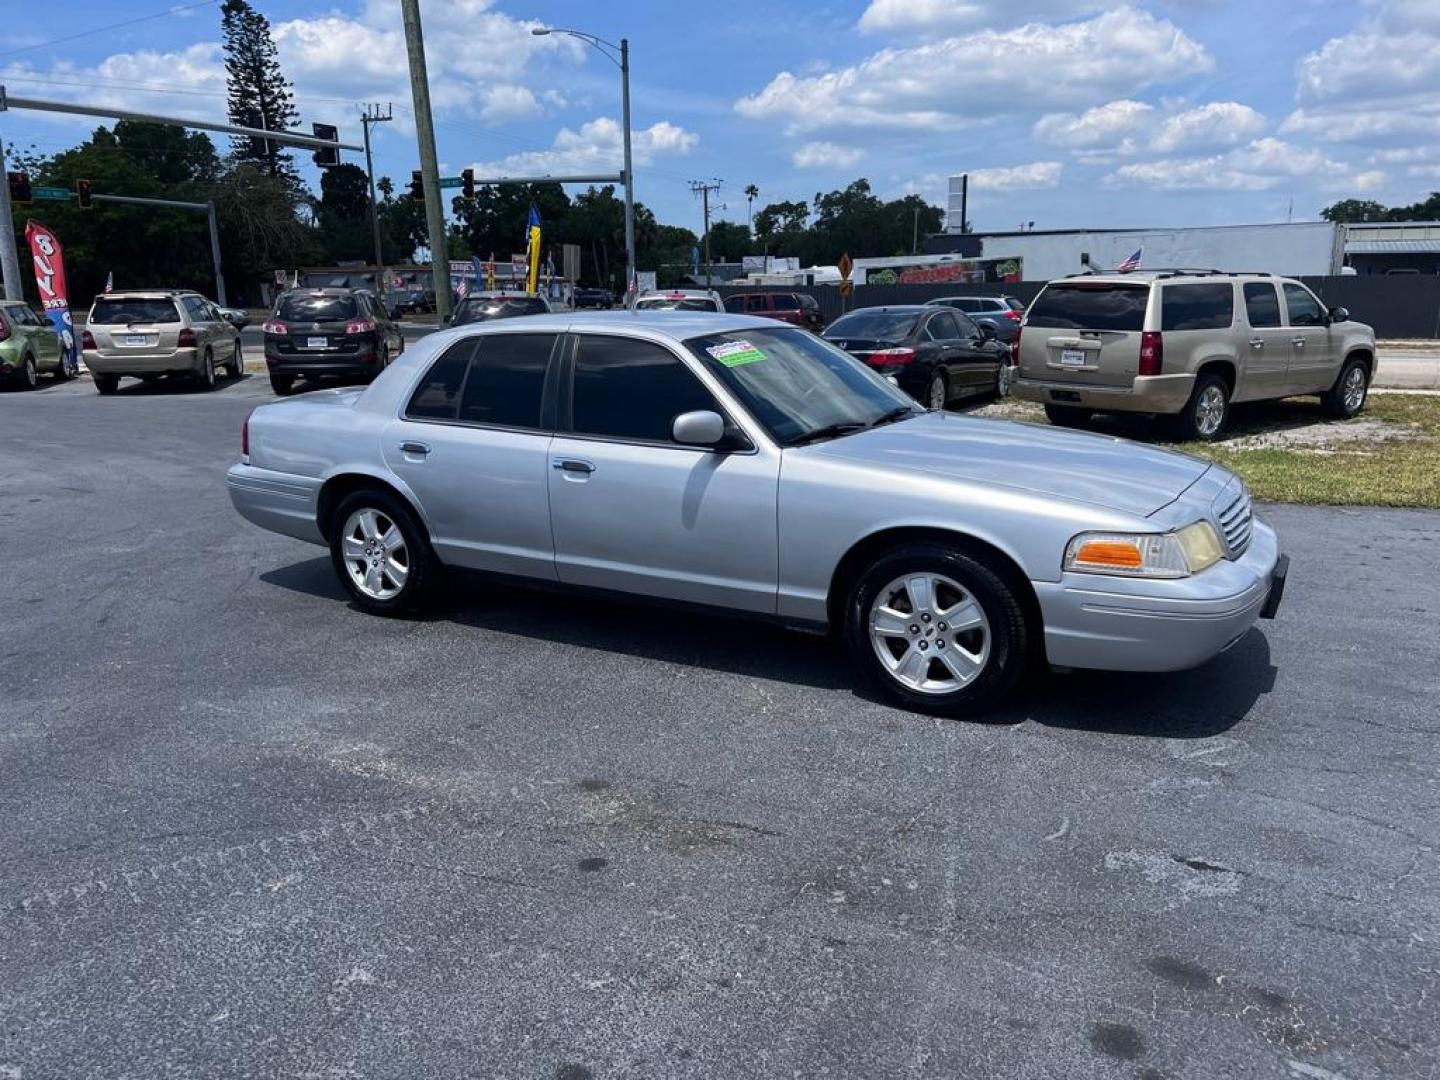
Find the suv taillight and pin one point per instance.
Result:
(891, 357)
(1013, 315)
(187, 338)
(360, 326)
(1152, 352)
(87, 340)
(271, 326)
(1015, 345)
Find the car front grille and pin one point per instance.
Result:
(1235, 517)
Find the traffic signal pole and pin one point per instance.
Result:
(429, 169)
(366, 120)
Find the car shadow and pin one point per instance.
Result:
(1195, 704)
(170, 385)
(1246, 419)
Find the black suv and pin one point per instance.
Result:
(345, 333)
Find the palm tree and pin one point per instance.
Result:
(751, 194)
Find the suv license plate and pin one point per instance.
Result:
(1072, 357)
(135, 339)
(317, 343)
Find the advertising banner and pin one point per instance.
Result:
(969, 271)
(49, 258)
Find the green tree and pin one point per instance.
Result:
(257, 93)
(779, 219)
(343, 214)
(729, 241)
(1353, 210)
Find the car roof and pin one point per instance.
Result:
(502, 294)
(331, 290)
(899, 309)
(649, 294)
(146, 294)
(1148, 277)
(674, 325)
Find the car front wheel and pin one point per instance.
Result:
(1347, 397)
(380, 553)
(937, 629)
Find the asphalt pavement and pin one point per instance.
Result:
(250, 831)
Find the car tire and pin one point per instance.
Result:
(938, 396)
(283, 385)
(236, 367)
(1003, 371)
(1347, 397)
(1067, 416)
(64, 371)
(383, 576)
(205, 377)
(984, 661)
(28, 377)
(1205, 415)
(107, 384)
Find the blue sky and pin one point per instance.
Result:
(1067, 113)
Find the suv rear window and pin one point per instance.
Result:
(485, 308)
(315, 308)
(687, 303)
(1197, 307)
(1091, 307)
(1015, 305)
(117, 311)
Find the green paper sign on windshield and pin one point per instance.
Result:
(736, 353)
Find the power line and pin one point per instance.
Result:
(112, 26)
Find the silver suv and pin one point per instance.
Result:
(154, 332)
(680, 300)
(1187, 343)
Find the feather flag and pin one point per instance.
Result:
(532, 237)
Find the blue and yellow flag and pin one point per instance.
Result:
(532, 239)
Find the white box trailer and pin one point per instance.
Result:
(1294, 250)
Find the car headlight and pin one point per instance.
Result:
(1151, 555)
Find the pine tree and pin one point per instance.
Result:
(258, 95)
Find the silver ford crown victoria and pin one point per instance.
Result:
(735, 462)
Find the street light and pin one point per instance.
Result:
(619, 55)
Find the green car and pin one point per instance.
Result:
(28, 346)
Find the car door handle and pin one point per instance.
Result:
(414, 448)
(573, 465)
(1257, 343)
(1298, 342)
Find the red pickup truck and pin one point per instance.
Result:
(799, 309)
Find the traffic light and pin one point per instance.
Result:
(467, 183)
(330, 155)
(19, 187)
(82, 193)
(417, 185)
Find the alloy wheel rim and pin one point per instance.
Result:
(32, 373)
(375, 554)
(1354, 390)
(1002, 380)
(937, 392)
(929, 633)
(1210, 410)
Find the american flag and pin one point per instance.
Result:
(463, 289)
(1132, 263)
(110, 281)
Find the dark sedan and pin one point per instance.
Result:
(932, 353)
(328, 332)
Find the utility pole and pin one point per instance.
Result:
(699, 187)
(9, 260)
(370, 116)
(429, 170)
(915, 233)
(629, 169)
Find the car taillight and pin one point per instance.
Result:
(360, 326)
(1015, 345)
(270, 326)
(891, 357)
(87, 340)
(1013, 315)
(186, 339)
(1152, 352)
(245, 440)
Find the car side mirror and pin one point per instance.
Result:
(1339, 314)
(699, 428)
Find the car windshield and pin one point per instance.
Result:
(796, 385)
(874, 325)
(675, 303)
(113, 311)
(316, 308)
(1087, 306)
(485, 309)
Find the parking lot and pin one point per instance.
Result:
(252, 831)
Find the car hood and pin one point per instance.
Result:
(1097, 469)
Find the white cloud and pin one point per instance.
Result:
(1032, 66)
(1037, 174)
(938, 16)
(1113, 125)
(826, 155)
(1371, 180)
(1259, 166)
(597, 147)
(1220, 123)
(506, 101)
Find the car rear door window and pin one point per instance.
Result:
(943, 327)
(506, 384)
(1305, 310)
(756, 303)
(735, 304)
(629, 389)
(1262, 304)
(438, 395)
(1197, 307)
(1086, 306)
(785, 302)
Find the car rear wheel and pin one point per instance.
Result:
(282, 384)
(205, 377)
(107, 384)
(236, 367)
(380, 553)
(1067, 416)
(939, 392)
(1347, 397)
(1206, 413)
(66, 369)
(937, 629)
(29, 375)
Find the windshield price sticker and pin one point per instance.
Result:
(735, 353)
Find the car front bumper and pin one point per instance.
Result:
(138, 363)
(1145, 394)
(1133, 624)
(281, 502)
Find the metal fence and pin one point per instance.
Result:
(1397, 307)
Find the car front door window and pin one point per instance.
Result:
(628, 389)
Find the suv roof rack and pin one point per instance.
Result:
(1172, 271)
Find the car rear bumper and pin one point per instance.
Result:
(1120, 624)
(320, 363)
(281, 502)
(1146, 393)
(142, 363)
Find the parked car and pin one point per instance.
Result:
(1187, 344)
(155, 332)
(422, 301)
(736, 463)
(798, 309)
(495, 304)
(236, 317)
(934, 354)
(399, 303)
(1001, 313)
(314, 333)
(594, 298)
(28, 346)
(679, 300)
